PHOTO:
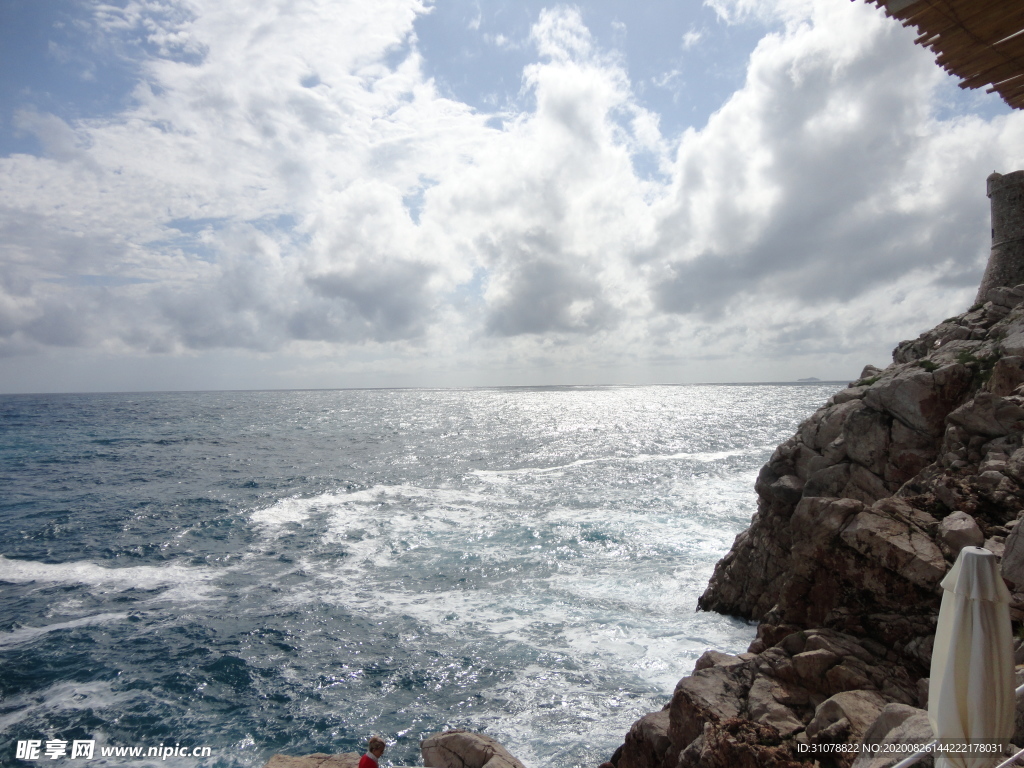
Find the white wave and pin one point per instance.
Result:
(491, 475)
(27, 634)
(64, 696)
(292, 510)
(448, 497)
(342, 506)
(184, 581)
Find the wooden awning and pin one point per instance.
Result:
(978, 41)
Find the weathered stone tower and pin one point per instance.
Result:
(1006, 261)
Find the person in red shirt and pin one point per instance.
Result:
(374, 749)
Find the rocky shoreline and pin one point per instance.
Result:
(860, 514)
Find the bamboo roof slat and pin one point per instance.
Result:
(979, 19)
(969, 38)
(970, 61)
(992, 76)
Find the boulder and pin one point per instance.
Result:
(830, 481)
(830, 424)
(716, 659)
(959, 530)
(811, 666)
(897, 725)
(1007, 375)
(1013, 557)
(988, 415)
(710, 695)
(764, 705)
(647, 742)
(465, 749)
(898, 546)
(921, 399)
(738, 743)
(858, 708)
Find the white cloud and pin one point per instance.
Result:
(287, 181)
(691, 38)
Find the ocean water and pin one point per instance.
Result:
(262, 572)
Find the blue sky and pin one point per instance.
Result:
(302, 193)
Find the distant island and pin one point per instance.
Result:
(809, 378)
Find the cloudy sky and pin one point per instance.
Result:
(206, 194)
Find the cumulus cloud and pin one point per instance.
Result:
(288, 181)
(827, 175)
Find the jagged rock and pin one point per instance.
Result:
(1015, 465)
(865, 485)
(920, 399)
(898, 546)
(852, 392)
(828, 482)
(830, 423)
(315, 760)
(1006, 297)
(1018, 717)
(1013, 557)
(711, 695)
(781, 688)
(716, 659)
(647, 742)
(764, 705)
(857, 708)
(989, 415)
(995, 546)
(866, 434)
(896, 724)
(812, 665)
(737, 743)
(465, 749)
(960, 530)
(1007, 375)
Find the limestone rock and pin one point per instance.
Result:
(858, 708)
(1007, 375)
(777, 693)
(710, 695)
(959, 530)
(738, 743)
(647, 742)
(866, 434)
(896, 545)
(716, 659)
(1006, 297)
(465, 749)
(812, 665)
(896, 724)
(989, 415)
(920, 399)
(764, 706)
(1013, 557)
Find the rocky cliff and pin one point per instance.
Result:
(860, 514)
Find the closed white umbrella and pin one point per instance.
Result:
(971, 693)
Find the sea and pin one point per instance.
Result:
(222, 576)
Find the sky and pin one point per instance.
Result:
(267, 194)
